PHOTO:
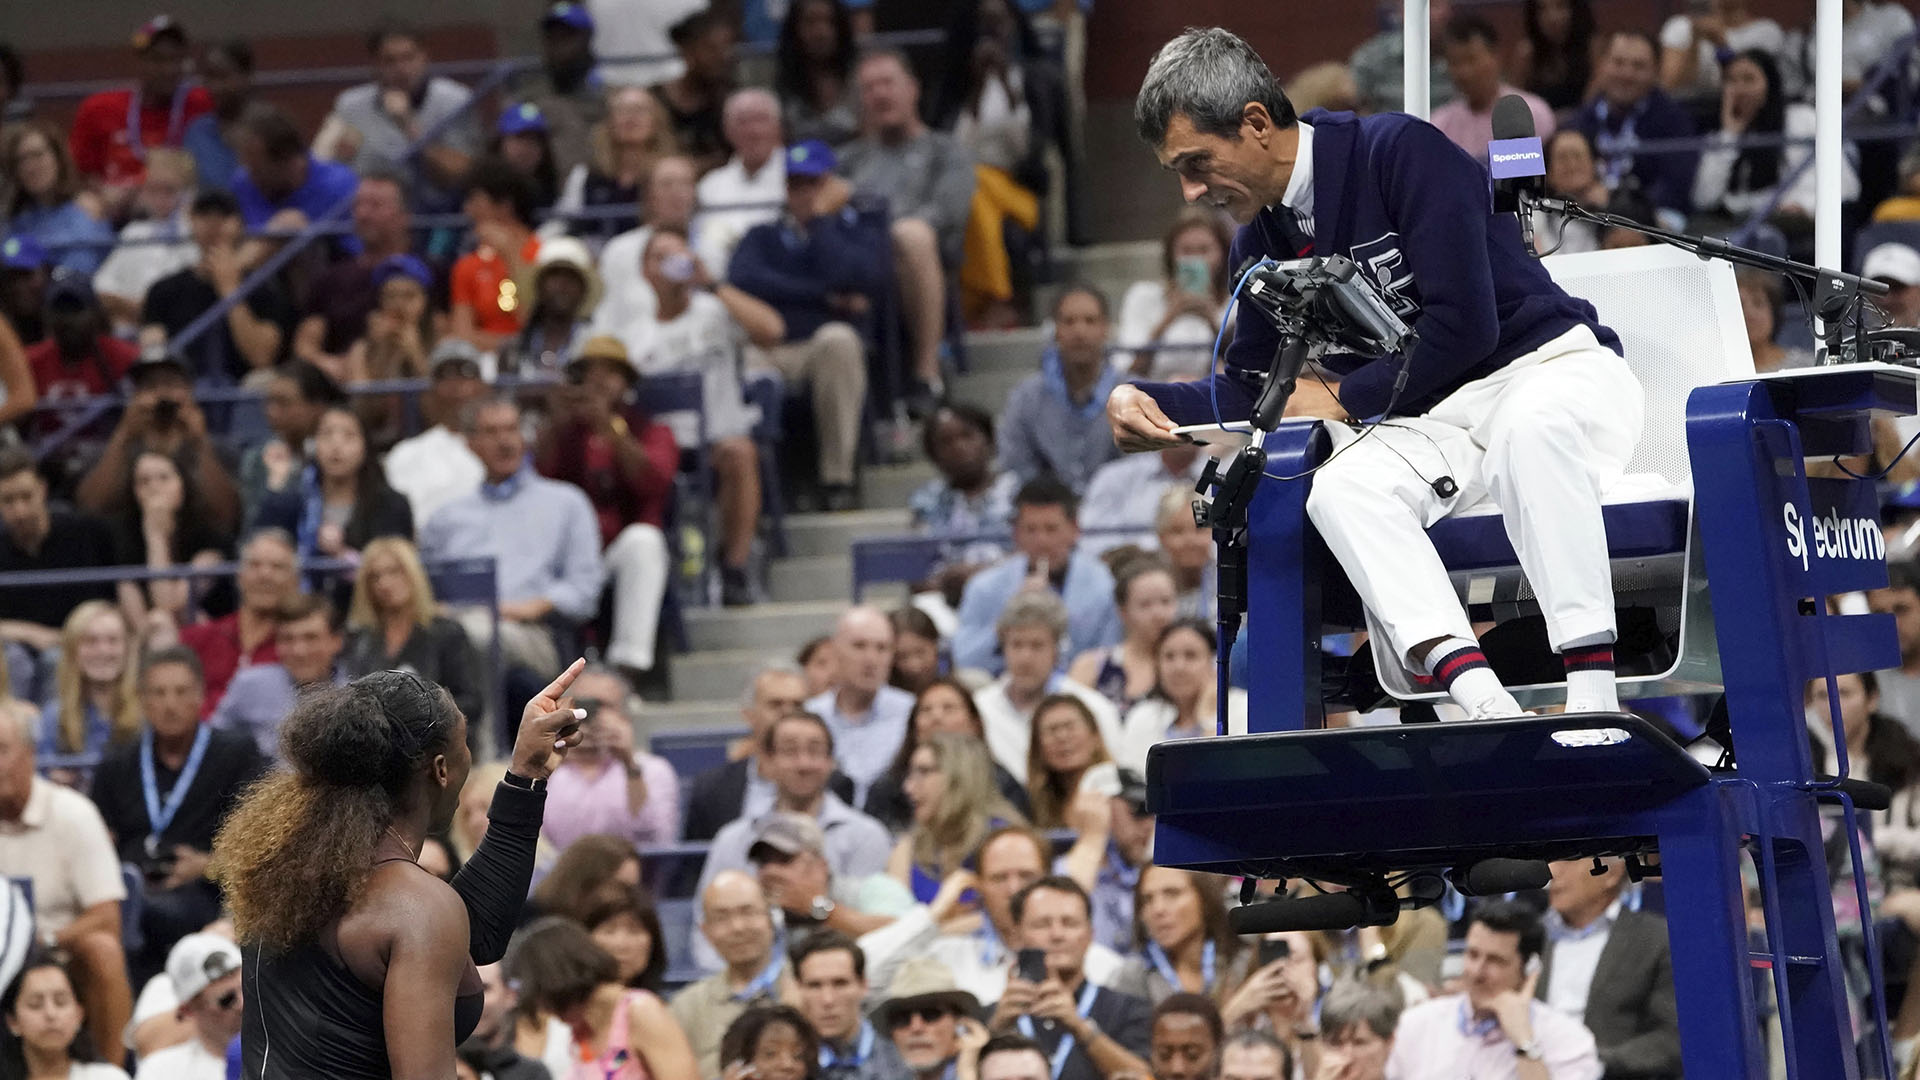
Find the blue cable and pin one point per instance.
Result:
(1233, 303)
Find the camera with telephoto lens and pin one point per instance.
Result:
(166, 411)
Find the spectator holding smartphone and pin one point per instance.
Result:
(1171, 323)
(1105, 1032)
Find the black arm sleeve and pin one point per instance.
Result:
(493, 884)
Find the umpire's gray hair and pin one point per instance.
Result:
(1210, 75)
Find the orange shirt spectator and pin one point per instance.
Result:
(484, 283)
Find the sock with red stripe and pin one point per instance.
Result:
(1462, 668)
(1590, 685)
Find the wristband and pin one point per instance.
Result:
(524, 783)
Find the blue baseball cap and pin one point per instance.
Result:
(22, 252)
(408, 266)
(70, 288)
(810, 158)
(522, 119)
(567, 13)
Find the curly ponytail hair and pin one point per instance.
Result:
(295, 853)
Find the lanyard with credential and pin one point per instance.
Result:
(1158, 956)
(1061, 1052)
(863, 1047)
(176, 115)
(160, 815)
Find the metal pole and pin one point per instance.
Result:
(1416, 82)
(1826, 134)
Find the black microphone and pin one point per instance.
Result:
(1325, 911)
(1517, 162)
(1497, 877)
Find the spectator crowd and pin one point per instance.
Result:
(599, 331)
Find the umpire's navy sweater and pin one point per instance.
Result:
(1415, 213)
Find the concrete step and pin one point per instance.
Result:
(720, 715)
(989, 389)
(810, 578)
(833, 534)
(720, 674)
(1006, 350)
(888, 487)
(1114, 265)
(772, 625)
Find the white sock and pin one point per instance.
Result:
(1592, 691)
(1470, 682)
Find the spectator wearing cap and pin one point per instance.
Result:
(437, 466)
(161, 417)
(925, 1016)
(154, 245)
(693, 101)
(253, 330)
(1109, 1031)
(344, 294)
(53, 836)
(46, 201)
(598, 440)
(521, 139)
(831, 971)
(567, 88)
(817, 272)
(226, 69)
(487, 307)
(400, 329)
(667, 200)
(113, 129)
(699, 326)
(789, 855)
(542, 535)
(79, 358)
(24, 269)
(34, 536)
(1898, 267)
(205, 971)
(374, 126)
(1494, 1027)
(737, 921)
(565, 293)
(748, 189)
(277, 173)
(307, 641)
(927, 179)
(170, 837)
(798, 756)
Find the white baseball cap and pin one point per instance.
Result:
(1897, 263)
(197, 961)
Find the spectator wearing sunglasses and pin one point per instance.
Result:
(205, 970)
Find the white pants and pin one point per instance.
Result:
(1542, 438)
(639, 564)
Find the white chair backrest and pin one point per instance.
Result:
(1678, 317)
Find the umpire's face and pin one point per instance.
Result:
(1238, 173)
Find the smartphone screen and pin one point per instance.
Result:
(1031, 964)
(1272, 949)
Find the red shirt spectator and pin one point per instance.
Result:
(620, 457)
(269, 573)
(222, 655)
(61, 377)
(113, 129)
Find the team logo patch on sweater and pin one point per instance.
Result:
(1384, 263)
